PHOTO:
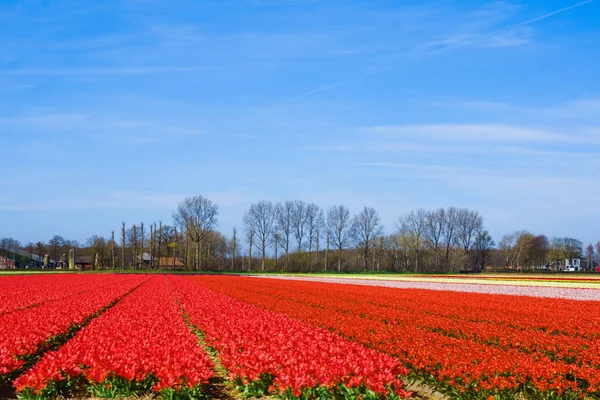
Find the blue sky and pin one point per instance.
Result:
(117, 110)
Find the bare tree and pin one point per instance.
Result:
(56, 243)
(276, 240)
(366, 226)
(413, 226)
(449, 234)
(299, 222)
(468, 224)
(10, 245)
(507, 245)
(314, 223)
(134, 240)
(160, 237)
(434, 231)
(142, 245)
(250, 244)
(261, 218)
(483, 245)
(283, 226)
(338, 224)
(152, 241)
(197, 215)
(112, 250)
(233, 246)
(589, 257)
(123, 244)
(327, 239)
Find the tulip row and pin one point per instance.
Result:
(20, 292)
(469, 344)
(32, 330)
(140, 344)
(269, 353)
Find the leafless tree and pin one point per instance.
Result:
(142, 245)
(160, 238)
(317, 247)
(314, 223)
(283, 226)
(468, 224)
(112, 250)
(276, 241)
(483, 245)
(434, 231)
(233, 246)
(507, 245)
(299, 223)
(327, 242)
(250, 244)
(152, 243)
(590, 257)
(449, 235)
(198, 215)
(413, 226)
(10, 245)
(134, 241)
(261, 218)
(366, 226)
(338, 224)
(57, 243)
(123, 244)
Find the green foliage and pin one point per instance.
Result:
(116, 386)
(184, 393)
(256, 388)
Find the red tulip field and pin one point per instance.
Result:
(167, 335)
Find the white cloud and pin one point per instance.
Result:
(470, 133)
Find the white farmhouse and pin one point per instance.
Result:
(572, 265)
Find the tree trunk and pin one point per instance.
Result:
(123, 244)
(112, 250)
(327, 253)
(142, 251)
(317, 251)
(250, 257)
(276, 245)
(151, 246)
(175, 247)
(159, 242)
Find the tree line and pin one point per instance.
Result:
(299, 236)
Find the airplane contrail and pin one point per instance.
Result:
(443, 50)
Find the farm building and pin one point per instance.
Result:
(6, 263)
(572, 264)
(170, 263)
(83, 262)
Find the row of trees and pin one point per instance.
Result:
(522, 248)
(302, 236)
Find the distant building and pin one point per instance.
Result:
(6, 263)
(170, 263)
(572, 264)
(84, 262)
(146, 260)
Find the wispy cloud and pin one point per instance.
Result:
(506, 36)
(471, 133)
